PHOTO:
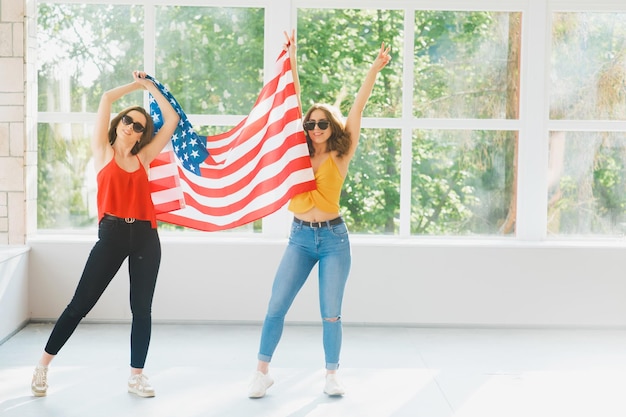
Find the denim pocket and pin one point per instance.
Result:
(295, 228)
(340, 230)
(106, 227)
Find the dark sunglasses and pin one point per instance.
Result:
(137, 127)
(310, 124)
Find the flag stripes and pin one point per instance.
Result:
(250, 171)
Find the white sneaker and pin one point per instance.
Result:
(333, 387)
(39, 384)
(259, 384)
(138, 384)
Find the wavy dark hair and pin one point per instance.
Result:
(339, 139)
(146, 136)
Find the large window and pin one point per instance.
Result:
(440, 146)
(587, 181)
(210, 57)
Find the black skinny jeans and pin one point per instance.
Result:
(117, 240)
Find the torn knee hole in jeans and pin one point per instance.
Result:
(333, 319)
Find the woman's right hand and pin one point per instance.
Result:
(290, 42)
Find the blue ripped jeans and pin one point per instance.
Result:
(330, 247)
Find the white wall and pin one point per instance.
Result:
(395, 282)
(14, 311)
(424, 283)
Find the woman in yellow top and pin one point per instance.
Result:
(318, 233)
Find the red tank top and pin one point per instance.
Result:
(125, 194)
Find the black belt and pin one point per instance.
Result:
(327, 223)
(128, 220)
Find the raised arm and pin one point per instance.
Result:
(353, 121)
(170, 121)
(290, 46)
(100, 140)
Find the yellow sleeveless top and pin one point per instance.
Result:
(326, 197)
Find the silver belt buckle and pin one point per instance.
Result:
(129, 220)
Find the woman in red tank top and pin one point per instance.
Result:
(122, 150)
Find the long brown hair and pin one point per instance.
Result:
(146, 136)
(339, 140)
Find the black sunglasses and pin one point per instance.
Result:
(137, 127)
(310, 124)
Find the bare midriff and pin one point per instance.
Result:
(316, 215)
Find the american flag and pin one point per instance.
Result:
(219, 182)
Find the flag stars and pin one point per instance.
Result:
(187, 160)
(189, 147)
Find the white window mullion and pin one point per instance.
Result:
(280, 16)
(149, 42)
(407, 128)
(533, 138)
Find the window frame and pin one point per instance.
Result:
(533, 124)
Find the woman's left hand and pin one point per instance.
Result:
(140, 78)
(383, 57)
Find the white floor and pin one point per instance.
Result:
(203, 370)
